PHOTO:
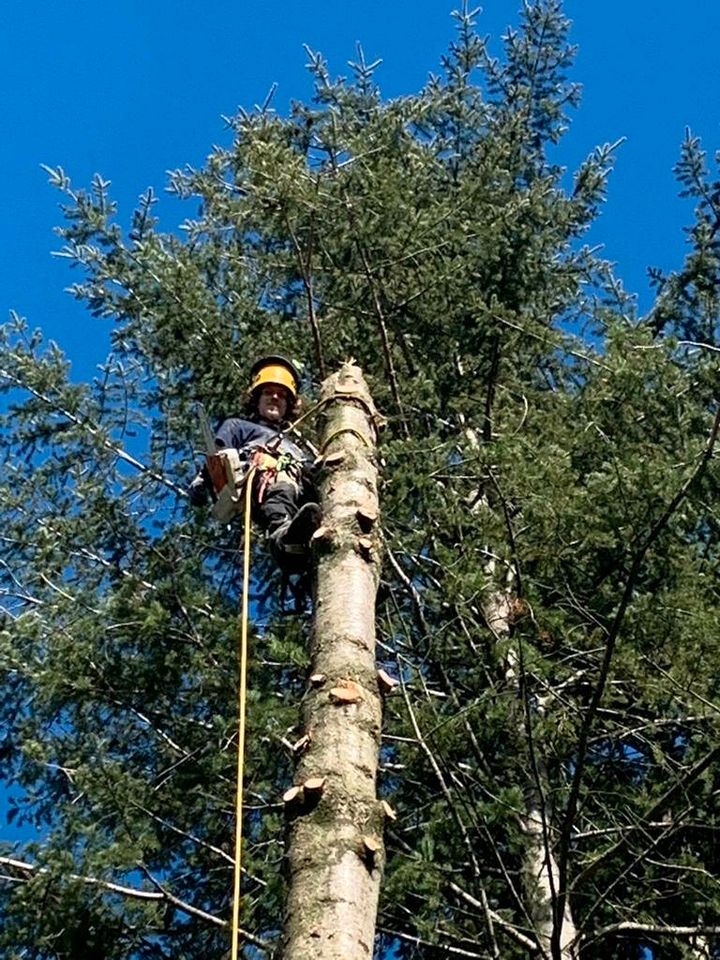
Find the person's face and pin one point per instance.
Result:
(273, 402)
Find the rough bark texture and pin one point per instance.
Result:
(335, 846)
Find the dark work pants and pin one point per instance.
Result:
(281, 501)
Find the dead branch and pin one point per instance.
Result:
(651, 929)
(160, 893)
(512, 931)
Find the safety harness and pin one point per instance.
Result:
(229, 473)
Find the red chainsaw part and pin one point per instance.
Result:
(217, 469)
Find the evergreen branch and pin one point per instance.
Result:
(95, 432)
(196, 319)
(611, 640)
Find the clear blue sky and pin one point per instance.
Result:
(132, 88)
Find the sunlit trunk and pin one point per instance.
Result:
(335, 847)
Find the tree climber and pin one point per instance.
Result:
(284, 499)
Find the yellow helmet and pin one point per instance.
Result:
(275, 369)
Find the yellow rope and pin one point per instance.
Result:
(315, 407)
(241, 715)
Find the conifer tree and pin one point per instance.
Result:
(549, 591)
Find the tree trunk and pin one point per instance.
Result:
(541, 875)
(700, 948)
(335, 847)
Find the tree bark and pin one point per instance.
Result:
(540, 870)
(335, 847)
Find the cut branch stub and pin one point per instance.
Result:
(347, 691)
(293, 794)
(334, 459)
(307, 793)
(367, 518)
(365, 546)
(302, 744)
(323, 534)
(371, 845)
(314, 785)
(388, 810)
(317, 679)
(386, 683)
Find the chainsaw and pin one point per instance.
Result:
(227, 472)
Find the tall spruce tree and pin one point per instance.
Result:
(549, 595)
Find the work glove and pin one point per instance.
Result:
(199, 491)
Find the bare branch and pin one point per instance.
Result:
(655, 811)
(444, 948)
(448, 796)
(161, 893)
(651, 929)
(380, 317)
(509, 928)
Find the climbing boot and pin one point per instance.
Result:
(290, 540)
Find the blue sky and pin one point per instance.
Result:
(133, 88)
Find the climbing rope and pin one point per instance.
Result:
(241, 713)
